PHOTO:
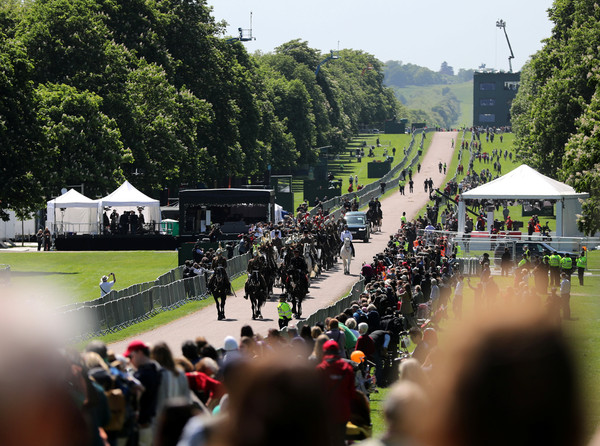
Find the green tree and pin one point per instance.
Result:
(555, 110)
(24, 164)
(582, 163)
(83, 143)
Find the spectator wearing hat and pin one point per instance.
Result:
(231, 348)
(337, 377)
(365, 343)
(147, 372)
(106, 285)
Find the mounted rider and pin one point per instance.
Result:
(298, 262)
(256, 263)
(347, 234)
(219, 259)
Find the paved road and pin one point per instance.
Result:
(328, 288)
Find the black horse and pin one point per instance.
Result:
(220, 287)
(256, 289)
(297, 288)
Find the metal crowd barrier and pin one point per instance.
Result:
(336, 308)
(122, 308)
(469, 266)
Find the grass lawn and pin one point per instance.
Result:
(74, 276)
(343, 165)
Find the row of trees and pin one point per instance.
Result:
(400, 74)
(95, 90)
(556, 113)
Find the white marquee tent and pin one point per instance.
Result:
(72, 212)
(525, 183)
(128, 198)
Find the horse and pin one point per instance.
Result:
(297, 288)
(271, 256)
(220, 287)
(257, 291)
(346, 254)
(308, 257)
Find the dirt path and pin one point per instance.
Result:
(328, 288)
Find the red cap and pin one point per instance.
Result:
(135, 345)
(331, 348)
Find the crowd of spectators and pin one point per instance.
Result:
(300, 385)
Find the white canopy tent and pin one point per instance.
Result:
(72, 212)
(128, 198)
(525, 183)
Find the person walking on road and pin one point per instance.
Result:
(284, 312)
(401, 185)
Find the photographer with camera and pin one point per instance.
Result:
(106, 285)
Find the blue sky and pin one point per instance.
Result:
(425, 32)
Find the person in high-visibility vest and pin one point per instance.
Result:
(554, 262)
(403, 218)
(566, 265)
(284, 311)
(581, 266)
(401, 185)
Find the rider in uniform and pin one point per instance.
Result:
(219, 260)
(347, 234)
(306, 238)
(298, 262)
(256, 264)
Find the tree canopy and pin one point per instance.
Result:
(555, 114)
(95, 90)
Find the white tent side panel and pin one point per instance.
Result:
(74, 220)
(72, 212)
(13, 227)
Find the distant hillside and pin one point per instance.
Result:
(438, 97)
(448, 105)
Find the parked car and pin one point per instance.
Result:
(537, 249)
(358, 225)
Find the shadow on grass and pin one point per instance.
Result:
(40, 273)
